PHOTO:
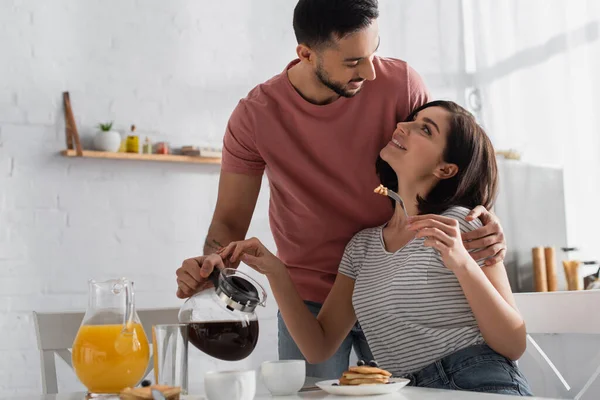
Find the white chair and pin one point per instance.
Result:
(556, 313)
(56, 333)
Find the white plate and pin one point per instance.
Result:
(362, 390)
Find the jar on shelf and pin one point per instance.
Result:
(147, 147)
(162, 148)
(133, 142)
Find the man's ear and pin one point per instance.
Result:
(305, 53)
(446, 171)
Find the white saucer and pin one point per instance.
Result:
(362, 390)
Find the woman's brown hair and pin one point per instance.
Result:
(467, 146)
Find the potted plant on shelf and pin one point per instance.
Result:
(106, 139)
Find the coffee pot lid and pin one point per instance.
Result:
(237, 290)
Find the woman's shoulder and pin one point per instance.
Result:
(357, 249)
(366, 236)
(460, 213)
(364, 239)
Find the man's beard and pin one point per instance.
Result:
(337, 87)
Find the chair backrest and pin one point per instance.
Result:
(56, 333)
(559, 313)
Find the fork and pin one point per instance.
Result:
(393, 195)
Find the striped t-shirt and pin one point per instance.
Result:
(409, 305)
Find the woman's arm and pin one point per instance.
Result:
(487, 290)
(317, 338)
(490, 297)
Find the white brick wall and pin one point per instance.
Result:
(175, 69)
(64, 221)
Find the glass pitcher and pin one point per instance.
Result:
(110, 351)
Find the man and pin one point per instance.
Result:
(316, 129)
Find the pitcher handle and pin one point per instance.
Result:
(129, 307)
(263, 301)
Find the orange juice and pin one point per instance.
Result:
(107, 360)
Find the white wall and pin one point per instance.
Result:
(526, 50)
(168, 67)
(175, 69)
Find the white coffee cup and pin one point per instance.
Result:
(284, 377)
(230, 385)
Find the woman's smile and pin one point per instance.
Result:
(398, 142)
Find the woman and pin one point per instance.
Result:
(429, 311)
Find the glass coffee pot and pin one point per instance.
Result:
(221, 322)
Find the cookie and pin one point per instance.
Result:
(145, 393)
(351, 375)
(355, 382)
(369, 370)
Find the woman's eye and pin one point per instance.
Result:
(426, 130)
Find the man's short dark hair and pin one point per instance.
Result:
(317, 22)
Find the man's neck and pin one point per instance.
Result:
(308, 85)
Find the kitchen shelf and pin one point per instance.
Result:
(143, 157)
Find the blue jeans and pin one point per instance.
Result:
(338, 363)
(476, 368)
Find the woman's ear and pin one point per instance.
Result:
(446, 171)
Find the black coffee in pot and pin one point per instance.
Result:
(225, 340)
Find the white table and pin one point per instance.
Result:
(406, 393)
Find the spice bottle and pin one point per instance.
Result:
(147, 148)
(133, 143)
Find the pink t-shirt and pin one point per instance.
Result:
(320, 161)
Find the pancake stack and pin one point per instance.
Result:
(364, 374)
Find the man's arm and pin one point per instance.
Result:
(236, 202)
